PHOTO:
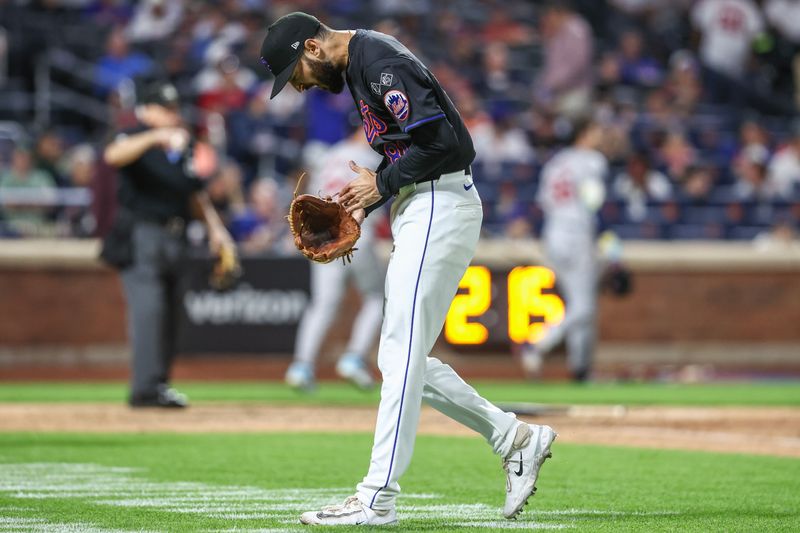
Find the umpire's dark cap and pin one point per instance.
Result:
(283, 45)
(160, 93)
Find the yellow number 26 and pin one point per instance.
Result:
(526, 301)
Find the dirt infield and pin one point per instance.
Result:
(763, 431)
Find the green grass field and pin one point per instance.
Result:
(69, 482)
(735, 393)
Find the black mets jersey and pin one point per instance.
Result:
(407, 116)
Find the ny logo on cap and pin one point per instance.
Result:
(295, 44)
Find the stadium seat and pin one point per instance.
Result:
(645, 230)
(697, 231)
(745, 232)
(723, 195)
(703, 215)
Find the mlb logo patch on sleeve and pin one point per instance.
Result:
(397, 104)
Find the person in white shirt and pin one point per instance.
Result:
(501, 141)
(783, 171)
(728, 28)
(638, 184)
(154, 20)
(750, 168)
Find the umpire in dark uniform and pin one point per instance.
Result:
(157, 193)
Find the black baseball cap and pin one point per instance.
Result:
(161, 93)
(283, 45)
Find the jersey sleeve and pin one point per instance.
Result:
(405, 91)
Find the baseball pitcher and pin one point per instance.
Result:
(436, 218)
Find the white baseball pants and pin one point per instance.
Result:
(435, 227)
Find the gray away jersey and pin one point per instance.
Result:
(570, 193)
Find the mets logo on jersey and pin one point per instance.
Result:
(397, 104)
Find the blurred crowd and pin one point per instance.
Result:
(699, 100)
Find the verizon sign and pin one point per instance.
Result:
(245, 305)
(259, 315)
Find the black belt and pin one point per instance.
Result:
(467, 172)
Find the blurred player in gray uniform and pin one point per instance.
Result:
(329, 281)
(570, 193)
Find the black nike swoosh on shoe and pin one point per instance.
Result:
(520, 465)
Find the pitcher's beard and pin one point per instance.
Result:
(328, 76)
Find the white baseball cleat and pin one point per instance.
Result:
(531, 449)
(353, 368)
(350, 513)
(300, 376)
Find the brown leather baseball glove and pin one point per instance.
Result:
(323, 229)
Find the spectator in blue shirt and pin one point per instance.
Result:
(635, 67)
(118, 64)
(262, 227)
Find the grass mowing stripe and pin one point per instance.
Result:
(262, 481)
(716, 394)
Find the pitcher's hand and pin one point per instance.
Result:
(361, 192)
